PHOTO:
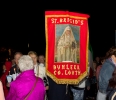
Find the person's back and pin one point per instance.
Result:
(105, 74)
(112, 87)
(23, 85)
(26, 84)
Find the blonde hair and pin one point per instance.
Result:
(32, 52)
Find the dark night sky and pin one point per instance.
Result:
(23, 22)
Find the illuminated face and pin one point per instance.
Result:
(68, 32)
(41, 59)
(34, 58)
(17, 57)
(114, 58)
(4, 67)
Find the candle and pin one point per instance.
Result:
(15, 71)
(9, 72)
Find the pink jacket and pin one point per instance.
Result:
(22, 86)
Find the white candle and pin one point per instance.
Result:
(9, 72)
(15, 71)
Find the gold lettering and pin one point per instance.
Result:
(63, 66)
(58, 67)
(54, 67)
(73, 21)
(66, 72)
(53, 20)
(69, 72)
(79, 72)
(76, 72)
(55, 72)
(75, 67)
(76, 21)
(59, 72)
(82, 22)
(72, 72)
(67, 67)
(71, 67)
(64, 20)
(61, 20)
(68, 19)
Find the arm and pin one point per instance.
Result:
(1, 92)
(46, 82)
(105, 74)
(97, 73)
(11, 72)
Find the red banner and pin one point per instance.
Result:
(66, 46)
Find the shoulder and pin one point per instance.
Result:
(108, 65)
(99, 67)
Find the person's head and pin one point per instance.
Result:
(97, 59)
(112, 53)
(102, 60)
(25, 63)
(17, 56)
(4, 67)
(34, 56)
(112, 81)
(41, 59)
(13, 61)
(94, 65)
(6, 59)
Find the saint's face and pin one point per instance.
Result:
(68, 32)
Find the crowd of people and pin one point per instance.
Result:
(24, 78)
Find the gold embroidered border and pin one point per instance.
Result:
(64, 81)
(67, 81)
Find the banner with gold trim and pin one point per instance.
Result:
(66, 46)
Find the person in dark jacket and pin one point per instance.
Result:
(106, 73)
(58, 91)
(112, 87)
(15, 69)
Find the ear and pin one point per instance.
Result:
(112, 56)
